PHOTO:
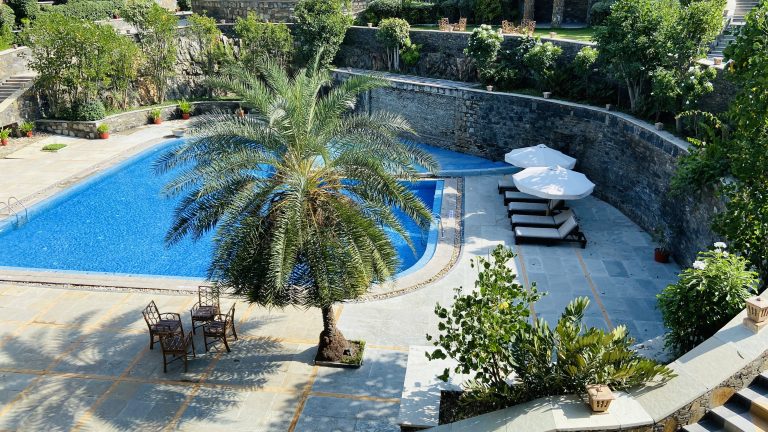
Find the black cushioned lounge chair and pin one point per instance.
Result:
(568, 232)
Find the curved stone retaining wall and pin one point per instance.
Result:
(127, 120)
(630, 162)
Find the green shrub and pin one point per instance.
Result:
(410, 53)
(53, 147)
(24, 9)
(541, 61)
(600, 11)
(102, 128)
(88, 111)
(319, 30)
(92, 10)
(705, 298)
(262, 40)
(415, 12)
(393, 33)
(483, 48)
(7, 21)
(583, 67)
(489, 334)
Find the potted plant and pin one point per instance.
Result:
(27, 129)
(240, 112)
(661, 253)
(600, 397)
(4, 134)
(186, 109)
(156, 115)
(103, 130)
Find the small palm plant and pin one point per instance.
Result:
(300, 193)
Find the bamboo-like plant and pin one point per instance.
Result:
(299, 192)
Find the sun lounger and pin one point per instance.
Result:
(541, 221)
(507, 186)
(510, 196)
(537, 208)
(568, 232)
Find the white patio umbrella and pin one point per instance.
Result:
(554, 183)
(539, 156)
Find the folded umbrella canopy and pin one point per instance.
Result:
(554, 183)
(539, 156)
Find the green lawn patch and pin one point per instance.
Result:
(54, 147)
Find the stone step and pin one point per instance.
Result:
(736, 416)
(705, 426)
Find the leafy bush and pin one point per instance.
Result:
(411, 11)
(410, 53)
(393, 33)
(705, 297)
(319, 30)
(7, 21)
(541, 61)
(92, 10)
(584, 67)
(600, 11)
(24, 9)
(88, 111)
(483, 48)
(489, 334)
(263, 39)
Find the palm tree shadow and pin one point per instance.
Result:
(104, 378)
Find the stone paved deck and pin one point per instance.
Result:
(78, 360)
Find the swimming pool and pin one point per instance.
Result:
(115, 223)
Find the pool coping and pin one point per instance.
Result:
(445, 254)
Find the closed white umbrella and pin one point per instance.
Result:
(539, 156)
(554, 183)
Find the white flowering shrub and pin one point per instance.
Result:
(705, 297)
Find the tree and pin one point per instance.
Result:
(320, 28)
(300, 193)
(483, 48)
(529, 11)
(487, 11)
(75, 60)
(263, 39)
(558, 6)
(394, 34)
(157, 36)
(641, 36)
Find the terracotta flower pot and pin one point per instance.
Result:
(757, 309)
(29, 134)
(185, 116)
(4, 141)
(241, 113)
(600, 397)
(104, 135)
(157, 121)
(661, 255)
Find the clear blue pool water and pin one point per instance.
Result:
(116, 223)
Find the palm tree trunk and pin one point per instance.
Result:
(332, 342)
(557, 13)
(528, 9)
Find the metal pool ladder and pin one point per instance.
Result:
(8, 206)
(439, 221)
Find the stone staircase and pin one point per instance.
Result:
(745, 411)
(740, 10)
(12, 84)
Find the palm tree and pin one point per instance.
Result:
(299, 193)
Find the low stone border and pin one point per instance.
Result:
(128, 120)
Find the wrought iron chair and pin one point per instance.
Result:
(218, 328)
(176, 345)
(461, 26)
(168, 322)
(507, 27)
(207, 306)
(444, 24)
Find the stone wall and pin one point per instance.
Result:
(442, 53)
(13, 62)
(630, 162)
(128, 120)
